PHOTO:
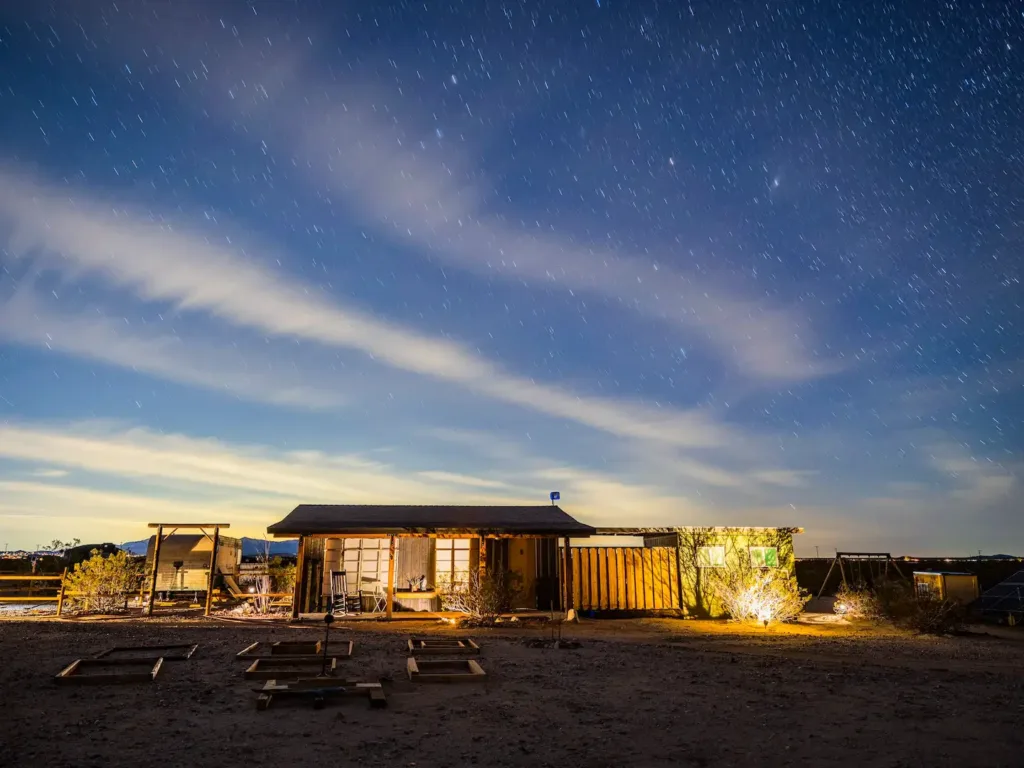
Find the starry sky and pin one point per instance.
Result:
(686, 263)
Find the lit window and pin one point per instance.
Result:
(452, 561)
(711, 557)
(764, 557)
(365, 562)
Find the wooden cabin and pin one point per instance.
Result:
(185, 561)
(396, 555)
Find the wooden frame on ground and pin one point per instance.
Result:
(444, 670)
(296, 648)
(438, 646)
(287, 667)
(338, 649)
(72, 673)
(318, 690)
(179, 652)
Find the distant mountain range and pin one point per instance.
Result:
(250, 547)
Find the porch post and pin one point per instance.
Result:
(570, 596)
(156, 566)
(213, 570)
(300, 577)
(482, 557)
(391, 577)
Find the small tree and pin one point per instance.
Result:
(759, 595)
(275, 576)
(104, 584)
(481, 599)
(62, 546)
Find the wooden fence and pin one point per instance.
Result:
(625, 578)
(31, 583)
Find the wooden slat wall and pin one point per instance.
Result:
(625, 578)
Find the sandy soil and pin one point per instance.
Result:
(638, 693)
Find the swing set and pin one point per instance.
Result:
(853, 566)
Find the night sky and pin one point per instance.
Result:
(688, 264)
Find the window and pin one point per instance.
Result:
(452, 560)
(365, 562)
(764, 557)
(711, 557)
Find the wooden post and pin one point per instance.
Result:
(60, 595)
(391, 577)
(570, 596)
(156, 567)
(679, 570)
(300, 577)
(482, 557)
(213, 571)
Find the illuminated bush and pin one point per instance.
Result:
(759, 595)
(104, 584)
(480, 598)
(857, 604)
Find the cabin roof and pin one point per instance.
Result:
(664, 530)
(397, 519)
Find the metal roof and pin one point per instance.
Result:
(397, 519)
(656, 530)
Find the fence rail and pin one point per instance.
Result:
(57, 598)
(625, 578)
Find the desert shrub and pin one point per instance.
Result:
(481, 599)
(900, 603)
(282, 575)
(857, 604)
(104, 584)
(759, 595)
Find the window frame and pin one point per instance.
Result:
(763, 563)
(706, 561)
(359, 548)
(445, 566)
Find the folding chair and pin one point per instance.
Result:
(380, 598)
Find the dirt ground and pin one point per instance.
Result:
(637, 693)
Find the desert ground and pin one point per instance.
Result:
(636, 693)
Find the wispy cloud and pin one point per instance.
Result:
(455, 478)
(161, 475)
(160, 263)
(363, 144)
(49, 473)
(26, 319)
(204, 466)
(425, 198)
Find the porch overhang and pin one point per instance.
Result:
(370, 521)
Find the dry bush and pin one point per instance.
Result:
(104, 584)
(481, 599)
(759, 595)
(900, 604)
(276, 577)
(857, 604)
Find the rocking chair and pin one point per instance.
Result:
(342, 603)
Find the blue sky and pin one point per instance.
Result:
(686, 265)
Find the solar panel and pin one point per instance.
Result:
(1006, 597)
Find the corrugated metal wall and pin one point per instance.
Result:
(625, 578)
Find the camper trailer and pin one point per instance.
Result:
(947, 585)
(185, 561)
